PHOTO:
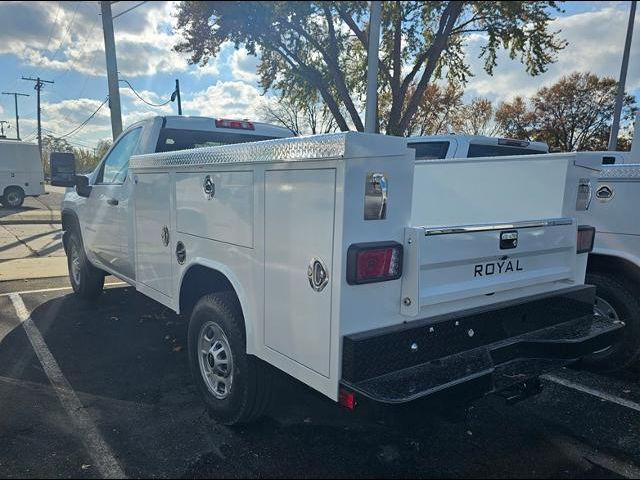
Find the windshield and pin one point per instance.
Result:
(172, 139)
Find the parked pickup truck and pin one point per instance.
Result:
(438, 147)
(614, 264)
(341, 261)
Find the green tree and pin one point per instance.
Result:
(50, 144)
(322, 45)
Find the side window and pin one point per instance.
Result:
(430, 150)
(116, 165)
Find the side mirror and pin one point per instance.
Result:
(82, 186)
(63, 169)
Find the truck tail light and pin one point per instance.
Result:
(237, 124)
(347, 399)
(374, 262)
(586, 235)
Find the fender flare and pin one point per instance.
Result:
(250, 316)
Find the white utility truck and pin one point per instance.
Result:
(21, 173)
(343, 262)
(614, 264)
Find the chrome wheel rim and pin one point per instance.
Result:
(602, 308)
(13, 199)
(215, 359)
(75, 263)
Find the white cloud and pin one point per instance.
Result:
(596, 40)
(244, 66)
(62, 117)
(234, 99)
(68, 35)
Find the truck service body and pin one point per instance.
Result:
(614, 263)
(345, 263)
(21, 173)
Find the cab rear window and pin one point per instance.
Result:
(480, 150)
(172, 139)
(430, 150)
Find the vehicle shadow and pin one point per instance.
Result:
(126, 358)
(6, 211)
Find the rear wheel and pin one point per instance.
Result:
(236, 387)
(87, 281)
(616, 300)
(13, 197)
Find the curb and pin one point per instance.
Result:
(30, 222)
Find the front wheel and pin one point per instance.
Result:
(86, 280)
(236, 387)
(616, 300)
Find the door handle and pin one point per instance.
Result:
(112, 201)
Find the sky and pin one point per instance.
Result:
(63, 42)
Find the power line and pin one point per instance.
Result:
(39, 85)
(79, 127)
(73, 19)
(142, 99)
(95, 54)
(15, 98)
(128, 10)
(53, 25)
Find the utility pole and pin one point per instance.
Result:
(112, 68)
(371, 112)
(15, 98)
(615, 126)
(177, 93)
(2, 124)
(38, 86)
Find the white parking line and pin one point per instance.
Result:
(592, 391)
(56, 289)
(98, 449)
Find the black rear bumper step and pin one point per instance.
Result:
(476, 352)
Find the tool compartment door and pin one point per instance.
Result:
(153, 231)
(299, 225)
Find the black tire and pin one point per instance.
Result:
(89, 281)
(13, 197)
(620, 295)
(251, 390)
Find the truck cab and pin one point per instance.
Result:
(438, 147)
(102, 205)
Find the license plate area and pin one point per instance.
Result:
(462, 262)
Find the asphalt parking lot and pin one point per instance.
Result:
(104, 389)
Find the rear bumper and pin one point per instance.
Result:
(476, 352)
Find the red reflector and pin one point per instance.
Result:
(347, 399)
(237, 124)
(586, 235)
(374, 262)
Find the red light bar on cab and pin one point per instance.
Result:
(374, 262)
(237, 124)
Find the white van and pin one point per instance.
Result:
(21, 173)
